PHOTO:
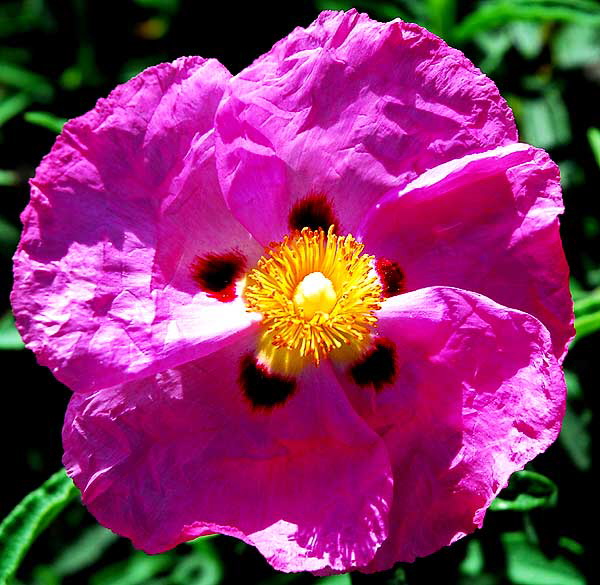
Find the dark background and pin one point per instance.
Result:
(59, 57)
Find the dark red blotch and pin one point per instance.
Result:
(314, 212)
(264, 390)
(378, 366)
(391, 276)
(216, 274)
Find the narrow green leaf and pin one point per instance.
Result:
(587, 324)
(587, 304)
(526, 491)
(593, 135)
(137, 570)
(84, 552)
(29, 518)
(575, 437)
(33, 84)
(335, 580)
(8, 179)
(9, 336)
(13, 106)
(201, 567)
(46, 120)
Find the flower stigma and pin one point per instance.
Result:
(317, 294)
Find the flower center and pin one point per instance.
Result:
(314, 294)
(317, 294)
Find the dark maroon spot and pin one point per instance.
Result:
(263, 389)
(378, 366)
(314, 212)
(216, 274)
(391, 276)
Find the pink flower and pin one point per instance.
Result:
(334, 406)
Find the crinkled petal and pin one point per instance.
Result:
(119, 208)
(349, 108)
(181, 454)
(478, 393)
(487, 223)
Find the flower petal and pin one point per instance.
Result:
(128, 195)
(183, 453)
(487, 223)
(478, 393)
(349, 108)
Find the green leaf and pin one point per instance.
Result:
(528, 37)
(526, 491)
(526, 565)
(490, 15)
(9, 237)
(474, 562)
(137, 570)
(162, 5)
(13, 106)
(29, 518)
(494, 45)
(84, 552)
(441, 15)
(9, 336)
(575, 437)
(576, 45)
(7, 179)
(586, 325)
(203, 566)
(544, 122)
(380, 10)
(46, 120)
(571, 174)
(593, 135)
(335, 580)
(31, 83)
(589, 303)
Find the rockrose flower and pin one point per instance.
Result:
(319, 306)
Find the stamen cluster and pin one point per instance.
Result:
(344, 325)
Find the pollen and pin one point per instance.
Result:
(317, 294)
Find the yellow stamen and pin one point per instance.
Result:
(317, 294)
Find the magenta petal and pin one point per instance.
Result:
(486, 223)
(349, 108)
(180, 454)
(119, 208)
(478, 393)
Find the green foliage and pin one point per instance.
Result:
(527, 565)
(594, 139)
(9, 336)
(495, 13)
(45, 120)
(544, 121)
(12, 106)
(526, 491)
(540, 52)
(31, 516)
